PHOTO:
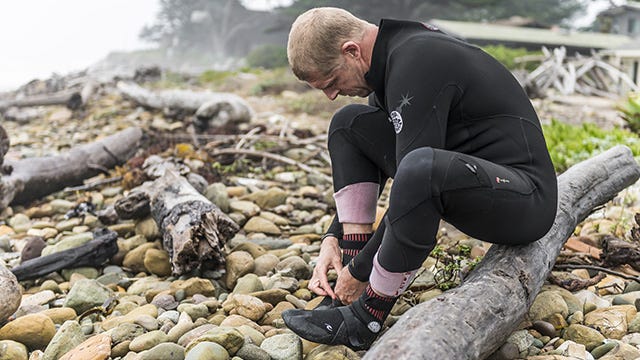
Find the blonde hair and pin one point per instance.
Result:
(316, 39)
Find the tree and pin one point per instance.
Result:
(547, 12)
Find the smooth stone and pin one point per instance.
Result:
(252, 352)
(170, 315)
(60, 315)
(148, 284)
(149, 323)
(247, 306)
(12, 350)
(584, 335)
(283, 347)
(66, 338)
(278, 220)
(283, 282)
(588, 298)
(249, 332)
(50, 285)
(546, 304)
(576, 318)
(507, 351)
(111, 278)
(272, 296)
(11, 293)
(246, 208)
(97, 347)
(208, 351)
(134, 259)
(86, 272)
(181, 328)
(254, 249)
(217, 194)
(156, 261)
(601, 350)
(68, 242)
(148, 228)
(123, 229)
(61, 206)
(33, 248)
(125, 332)
(239, 263)
(259, 224)
(33, 330)
(299, 304)
(120, 350)
(165, 301)
(231, 339)
(237, 321)
(195, 333)
(612, 321)
(131, 243)
(67, 225)
(265, 263)
(148, 340)
(165, 351)
(86, 294)
(634, 325)
(193, 286)
(295, 267)
(268, 199)
(248, 284)
(622, 351)
(130, 317)
(522, 339)
(19, 222)
(195, 311)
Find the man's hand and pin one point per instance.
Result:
(348, 289)
(329, 258)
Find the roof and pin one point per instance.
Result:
(617, 10)
(502, 33)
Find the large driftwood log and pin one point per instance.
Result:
(33, 178)
(71, 98)
(194, 230)
(474, 319)
(211, 109)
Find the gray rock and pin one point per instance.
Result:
(546, 304)
(11, 293)
(265, 264)
(217, 194)
(148, 341)
(283, 347)
(86, 294)
(239, 263)
(165, 351)
(282, 282)
(259, 224)
(68, 242)
(252, 352)
(124, 332)
(246, 208)
(165, 301)
(248, 284)
(68, 336)
(295, 267)
(522, 339)
(195, 311)
(209, 351)
(584, 335)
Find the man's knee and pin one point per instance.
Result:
(343, 118)
(415, 171)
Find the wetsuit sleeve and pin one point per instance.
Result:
(335, 229)
(421, 91)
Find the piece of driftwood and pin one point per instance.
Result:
(94, 253)
(210, 109)
(617, 252)
(33, 178)
(474, 319)
(69, 98)
(194, 230)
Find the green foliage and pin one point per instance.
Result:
(630, 111)
(451, 264)
(214, 77)
(268, 56)
(570, 144)
(507, 56)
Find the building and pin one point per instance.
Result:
(623, 20)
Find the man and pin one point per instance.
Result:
(452, 127)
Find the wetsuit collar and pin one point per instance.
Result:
(387, 30)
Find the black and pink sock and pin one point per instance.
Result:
(352, 244)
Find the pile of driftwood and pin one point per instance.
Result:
(576, 75)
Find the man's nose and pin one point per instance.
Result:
(332, 94)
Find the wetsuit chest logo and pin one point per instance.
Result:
(396, 115)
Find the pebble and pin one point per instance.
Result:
(68, 336)
(208, 351)
(12, 350)
(164, 351)
(33, 330)
(97, 347)
(283, 347)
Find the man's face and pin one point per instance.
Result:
(346, 80)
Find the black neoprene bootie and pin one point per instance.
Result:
(356, 325)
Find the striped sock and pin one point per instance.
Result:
(351, 244)
(376, 305)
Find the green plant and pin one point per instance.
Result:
(630, 111)
(214, 77)
(509, 57)
(451, 264)
(570, 144)
(268, 56)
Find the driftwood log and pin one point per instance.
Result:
(194, 230)
(71, 98)
(94, 253)
(32, 178)
(210, 109)
(474, 319)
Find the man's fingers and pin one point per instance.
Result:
(324, 284)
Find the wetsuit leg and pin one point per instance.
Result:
(487, 201)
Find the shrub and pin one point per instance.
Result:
(268, 57)
(507, 56)
(570, 144)
(630, 111)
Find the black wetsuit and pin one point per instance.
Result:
(459, 136)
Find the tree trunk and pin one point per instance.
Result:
(33, 178)
(474, 319)
(194, 230)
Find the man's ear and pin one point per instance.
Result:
(351, 49)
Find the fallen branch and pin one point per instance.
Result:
(94, 253)
(33, 178)
(474, 319)
(271, 156)
(72, 99)
(597, 268)
(92, 185)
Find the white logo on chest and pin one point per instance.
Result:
(395, 116)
